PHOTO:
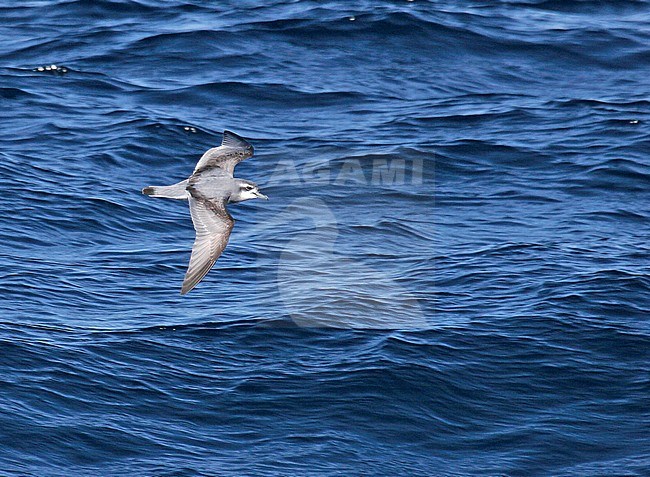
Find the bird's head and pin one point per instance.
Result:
(246, 190)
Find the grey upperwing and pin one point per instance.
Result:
(213, 225)
(232, 151)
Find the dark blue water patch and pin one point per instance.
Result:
(326, 380)
(582, 6)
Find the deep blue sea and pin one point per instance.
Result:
(451, 276)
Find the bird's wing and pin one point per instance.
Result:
(232, 151)
(213, 225)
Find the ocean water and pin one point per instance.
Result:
(451, 276)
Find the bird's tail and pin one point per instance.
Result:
(176, 191)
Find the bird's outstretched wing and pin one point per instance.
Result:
(232, 151)
(213, 225)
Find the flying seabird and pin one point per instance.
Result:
(210, 187)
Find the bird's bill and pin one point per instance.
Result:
(259, 195)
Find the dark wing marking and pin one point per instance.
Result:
(213, 225)
(232, 151)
